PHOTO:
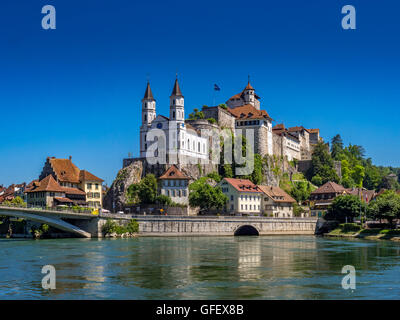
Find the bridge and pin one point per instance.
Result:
(89, 225)
(51, 217)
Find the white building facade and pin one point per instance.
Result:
(170, 137)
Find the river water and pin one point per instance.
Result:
(267, 267)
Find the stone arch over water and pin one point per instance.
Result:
(246, 230)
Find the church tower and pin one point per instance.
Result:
(148, 115)
(176, 103)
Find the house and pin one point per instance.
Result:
(12, 191)
(67, 174)
(276, 202)
(362, 193)
(175, 184)
(322, 198)
(49, 193)
(243, 196)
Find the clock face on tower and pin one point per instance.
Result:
(159, 125)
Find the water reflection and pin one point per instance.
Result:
(273, 267)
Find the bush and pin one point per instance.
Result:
(132, 226)
(350, 227)
(112, 227)
(212, 120)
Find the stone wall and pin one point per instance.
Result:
(224, 118)
(225, 226)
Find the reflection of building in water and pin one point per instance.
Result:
(249, 259)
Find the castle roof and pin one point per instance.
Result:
(177, 90)
(240, 95)
(148, 94)
(313, 130)
(174, 173)
(296, 129)
(242, 185)
(276, 194)
(248, 111)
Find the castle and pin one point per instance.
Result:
(182, 138)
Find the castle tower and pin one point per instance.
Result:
(177, 109)
(148, 115)
(249, 95)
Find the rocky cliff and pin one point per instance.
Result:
(115, 198)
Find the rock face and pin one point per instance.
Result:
(115, 198)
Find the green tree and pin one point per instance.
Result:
(196, 114)
(205, 196)
(322, 164)
(345, 206)
(336, 146)
(144, 192)
(215, 176)
(386, 206)
(358, 175)
(300, 191)
(163, 200)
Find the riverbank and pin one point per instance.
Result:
(368, 234)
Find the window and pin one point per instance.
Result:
(97, 186)
(198, 146)
(89, 186)
(245, 206)
(231, 198)
(173, 115)
(184, 193)
(241, 206)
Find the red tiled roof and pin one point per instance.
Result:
(174, 173)
(362, 194)
(49, 184)
(61, 199)
(249, 112)
(313, 130)
(239, 95)
(65, 170)
(330, 187)
(276, 194)
(87, 176)
(295, 129)
(242, 185)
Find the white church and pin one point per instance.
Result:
(181, 140)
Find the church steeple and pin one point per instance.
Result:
(148, 106)
(176, 91)
(176, 109)
(148, 94)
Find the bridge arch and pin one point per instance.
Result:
(246, 230)
(54, 222)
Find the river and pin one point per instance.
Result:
(266, 267)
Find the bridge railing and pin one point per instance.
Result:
(133, 216)
(78, 210)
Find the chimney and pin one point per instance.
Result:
(70, 157)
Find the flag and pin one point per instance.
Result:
(216, 88)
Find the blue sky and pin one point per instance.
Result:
(76, 90)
